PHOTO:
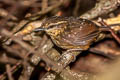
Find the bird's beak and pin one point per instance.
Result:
(39, 29)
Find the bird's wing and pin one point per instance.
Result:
(79, 34)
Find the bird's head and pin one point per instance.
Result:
(52, 26)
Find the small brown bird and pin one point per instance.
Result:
(70, 33)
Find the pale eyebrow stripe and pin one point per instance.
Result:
(54, 24)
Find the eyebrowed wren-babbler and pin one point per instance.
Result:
(71, 33)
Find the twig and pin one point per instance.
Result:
(4, 13)
(44, 4)
(103, 7)
(38, 14)
(112, 32)
(8, 69)
(75, 12)
(31, 50)
(15, 67)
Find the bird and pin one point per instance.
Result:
(70, 33)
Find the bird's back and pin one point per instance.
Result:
(78, 34)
